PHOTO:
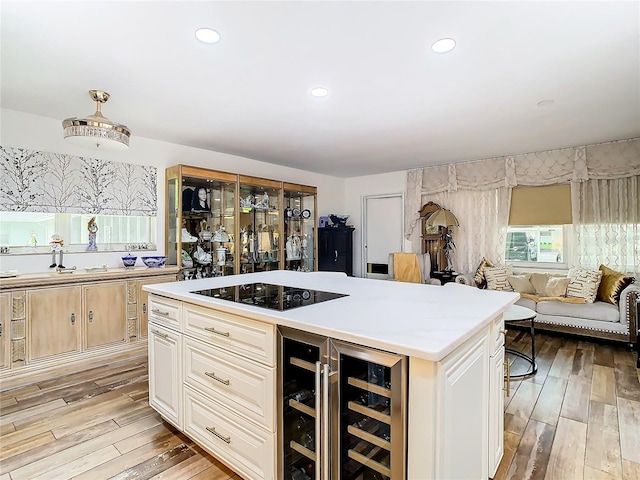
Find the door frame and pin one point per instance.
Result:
(363, 245)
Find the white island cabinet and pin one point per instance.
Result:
(218, 366)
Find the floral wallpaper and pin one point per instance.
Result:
(35, 181)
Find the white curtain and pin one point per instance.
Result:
(606, 223)
(483, 216)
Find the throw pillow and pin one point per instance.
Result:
(612, 284)
(584, 283)
(481, 282)
(539, 282)
(497, 278)
(556, 287)
(521, 283)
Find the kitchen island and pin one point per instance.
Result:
(450, 335)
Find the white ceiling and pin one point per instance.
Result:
(393, 103)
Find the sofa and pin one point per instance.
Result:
(618, 321)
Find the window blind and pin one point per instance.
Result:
(543, 205)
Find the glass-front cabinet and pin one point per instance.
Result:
(259, 219)
(299, 227)
(201, 221)
(221, 223)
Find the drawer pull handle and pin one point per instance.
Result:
(163, 335)
(217, 332)
(218, 379)
(221, 437)
(160, 312)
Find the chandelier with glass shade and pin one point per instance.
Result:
(97, 130)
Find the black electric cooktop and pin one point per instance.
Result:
(267, 295)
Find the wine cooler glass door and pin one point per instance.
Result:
(372, 415)
(301, 372)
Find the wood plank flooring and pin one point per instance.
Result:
(577, 418)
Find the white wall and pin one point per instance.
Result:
(34, 132)
(358, 187)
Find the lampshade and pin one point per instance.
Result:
(442, 218)
(96, 130)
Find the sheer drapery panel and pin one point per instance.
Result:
(606, 223)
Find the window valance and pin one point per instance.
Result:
(35, 181)
(610, 160)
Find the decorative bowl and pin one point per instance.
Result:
(339, 220)
(154, 262)
(129, 261)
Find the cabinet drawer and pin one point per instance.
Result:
(240, 384)
(497, 333)
(165, 312)
(247, 449)
(243, 336)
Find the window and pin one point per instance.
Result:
(30, 232)
(536, 244)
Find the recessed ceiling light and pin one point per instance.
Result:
(545, 103)
(319, 92)
(207, 35)
(443, 45)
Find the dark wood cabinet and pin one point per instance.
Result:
(335, 249)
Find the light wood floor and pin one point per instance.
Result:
(577, 418)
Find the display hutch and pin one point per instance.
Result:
(299, 227)
(432, 239)
(260, 224)
(220, 223)
(201, 226)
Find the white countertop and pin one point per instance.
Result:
(426, 321)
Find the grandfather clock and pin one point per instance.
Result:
(432, 240)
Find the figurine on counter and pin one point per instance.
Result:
(56, 247)
(92, 227)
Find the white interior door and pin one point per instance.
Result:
(383, 227)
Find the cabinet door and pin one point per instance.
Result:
(165, 373)
(463, 421)
(143, 302)
(5, 320)
(53, 322)
(335, 250)
(496, 411)
(105, 314)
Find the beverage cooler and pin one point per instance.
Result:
(342, 410)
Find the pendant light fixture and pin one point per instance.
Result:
(97, 130)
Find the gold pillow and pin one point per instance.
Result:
(521, 283)
(612, 284)
(481, 282)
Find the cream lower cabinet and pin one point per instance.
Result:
(496, 395)
(448, 414)
(220, 369)
(165, 373)
(54, 317)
